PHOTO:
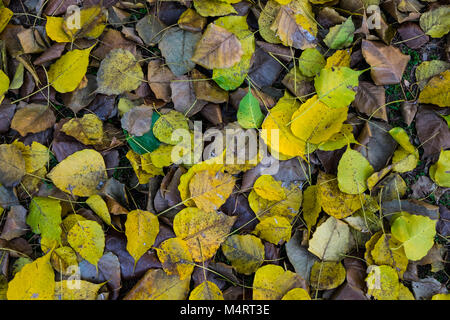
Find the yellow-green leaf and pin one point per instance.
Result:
(353, 171)
(327, 275)
(274, 229)
(245, 252)
(175, 257)
(416, 233)
(440, 171)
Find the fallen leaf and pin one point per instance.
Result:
(275, 229)
(206, 291)
(88, 240)
(33, 118)
(141, 229)
(13, 167)
(387, 62)
(271, 282)
(218, 48)
(175, 258)
(119, 64)
(82, 173)
(67, 72)
(203, 232)
(327, 275)
(36, 281)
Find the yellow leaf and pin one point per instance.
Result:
(175, 257)
(119, 72)
(333, 201)
(67, 72)
(98, 205)
(4, 84)
(91, 23)
(141, 229)
(63, 260)
(82, 174)
(162, 157)
(137, 162)
(206, 290)
(275, 229)
(404, 293)
(36, 281)
(287, 208)
(167, 123)
(212, 8)
(88, 240)
(245, 252)
(406, 156)
(340, 58)
(5, 15)
(271, 282)
(436, 91)
(388, 251)
(76, 290)
(296, 294)
(149, 167)
(327, 275)
(340, 139)
(382, 283)
(203, 232)
(210, 191)
(156, 284)
(185, 179)
(88, 130)
(314, 122)
(268, 188)
(277, 134)
(311, 206)
(36, 155)
(55, 31)
(441, 296)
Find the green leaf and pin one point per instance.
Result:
(341, 35)
(334, 86)
(249, 114)
(231, 78)
(353, 171)
(145, 143)
(436, 23)
(416, 234)
(311, 62)
(45, 218)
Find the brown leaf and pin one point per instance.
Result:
(280, 52)
(113, 39)
(329, 17)
(212, 113)
(392, 8)
(12, 165)
(117, 244)
(33, 118)
(207, 90)
(413, 36)
(289, 32)
(371, 100)
(408, 110)
(138, 120)
(377, 145)
(7, 111)
(387, 62)
(159, 78)
(184, 98)
(190, 20)
(83, 95)
(432, 130)
(52, 53)
(31, 41)
(57, 7)
(15, 225)
(218, 48)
